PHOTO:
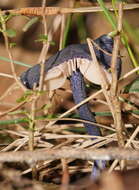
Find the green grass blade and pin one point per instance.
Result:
(16, 62)
(132, 31)
(82, 33)
(67, 28)
(123, 37)
(26, 120)
(30, 23)
(130, 52)
(114, 7)
(14, 121)
(107, 14)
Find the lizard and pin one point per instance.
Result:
(75, 62)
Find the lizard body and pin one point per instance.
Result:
(77, 56)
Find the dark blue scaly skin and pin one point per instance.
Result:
(32, 76)
(79, 94)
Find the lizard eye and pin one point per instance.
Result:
(109, 70)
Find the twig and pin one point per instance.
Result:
(3, 25)
(129, 73)
(44, 49)
(12, 109)
(82, 121)
(12, 145)
(42, 71)
(118, 122)
(38, 11)
(6, 75)
(32, 157)
(103, 78)
(74, 107)
(8, 91)
(65, 175)
(126, 145)
(32, 123)
(56, 136)
(41, 81)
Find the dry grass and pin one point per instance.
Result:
(45, 133)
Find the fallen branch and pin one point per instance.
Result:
(39, 11)
(31, 157)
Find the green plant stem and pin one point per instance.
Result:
(16, 62)
(68, 24)
(6, 40)
(107, 14)
(123, 36)
(26, 120)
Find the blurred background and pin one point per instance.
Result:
(27, 50)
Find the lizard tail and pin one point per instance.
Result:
(79, 94)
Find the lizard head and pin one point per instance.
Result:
(104, 54)
(31, 77)
(54, 78)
